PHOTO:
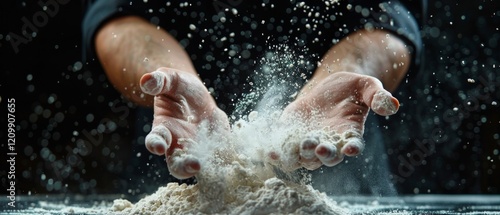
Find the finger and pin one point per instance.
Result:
(307, 147)
(307, 150)
(182, 165)
(177, 85)
(353, 143)
(155, 83)
(353, 147)
(288, 160)
(377, 98)
(158, 140)
(327, 154)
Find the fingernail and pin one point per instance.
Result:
(350, 150)
(333, 158)
(149, 86)
(395, 103)
(353, 147)
(154, 85)
(192, 166)
(325, 152)
(156, 144)
(307, 148)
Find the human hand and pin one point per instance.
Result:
(334, 111)
(181, 104)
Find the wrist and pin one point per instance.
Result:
(374, 53)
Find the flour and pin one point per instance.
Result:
(272, 196)
(237, 178)
(250, 169)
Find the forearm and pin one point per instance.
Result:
(375, 53)
(129, 47)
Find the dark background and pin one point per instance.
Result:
(75, 134)
(452, 105)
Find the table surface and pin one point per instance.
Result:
(415, 204)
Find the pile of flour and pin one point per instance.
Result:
(272, 196)
(236, 177)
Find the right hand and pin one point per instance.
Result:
(335, 110)
(181, 104)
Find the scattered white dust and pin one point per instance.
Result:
(46, 207)
(248, 171)
(237, 178)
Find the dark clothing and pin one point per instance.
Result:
(226, 39)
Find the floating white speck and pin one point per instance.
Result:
(252, 116)
(470, 80)
(192, 27)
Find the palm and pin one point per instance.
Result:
(181, 103)
(338, 105)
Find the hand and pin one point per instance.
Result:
(181, 104)
(334, 111)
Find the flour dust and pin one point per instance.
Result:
(237, 175)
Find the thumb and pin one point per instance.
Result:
(380, 100)
(383, 103)
(155, 83)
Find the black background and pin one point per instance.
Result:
(63, 149)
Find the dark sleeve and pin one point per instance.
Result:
(402, 18)
(100, 11)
